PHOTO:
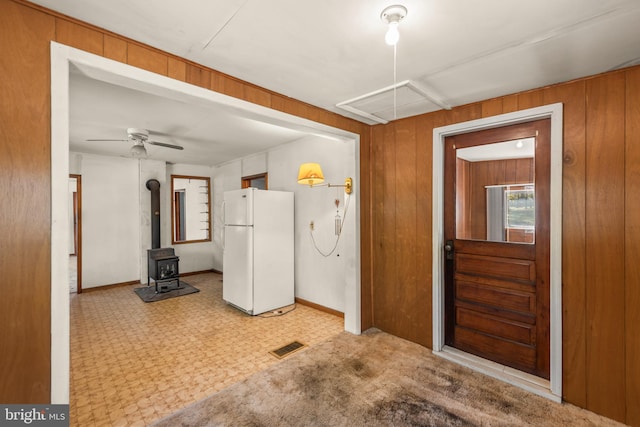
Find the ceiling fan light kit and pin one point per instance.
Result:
(139, 137)
(138, 150)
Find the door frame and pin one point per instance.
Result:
(551, 389)
(78, 213)
(62, 59)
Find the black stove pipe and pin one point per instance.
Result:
(154, 186)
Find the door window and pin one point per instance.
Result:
(495, 192)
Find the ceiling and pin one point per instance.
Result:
(332, 54)
(210, 133)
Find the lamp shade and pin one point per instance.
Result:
(310, 174)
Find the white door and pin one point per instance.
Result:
(237, 284)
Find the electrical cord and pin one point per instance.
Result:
(344, 218)
(277, 313)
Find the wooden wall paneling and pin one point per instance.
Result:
(388, 304)
(465, 113)
(377, 202)
(366, 241)
(492, 107)
(314, 113)
(146, 58)
(25, 306)
(480, 174)
(573, 239)
(385, 305)
(632, 246)
(524, 171)
(257, 95)
(463, 199)
(605, 245)
(423, 231)
(510, 103)
(177, 69)
(510, 171)
(530, 99)
(79, 36)
(115, 48)
(406, 216)
(350, 125)
(198, 76)
(227, 85)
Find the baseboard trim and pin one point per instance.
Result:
(137, 282)
(193, 273)
(319, 307)
(114, 285)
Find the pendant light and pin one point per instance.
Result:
(392, 16)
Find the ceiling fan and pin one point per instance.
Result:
(139, 137)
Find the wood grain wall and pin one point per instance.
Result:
(25, 306)
(601, 232)
(25, 254)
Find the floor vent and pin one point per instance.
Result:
(287, 349)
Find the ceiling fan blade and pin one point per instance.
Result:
(103, 140)
(163, 144)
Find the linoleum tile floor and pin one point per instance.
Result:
(133, 363)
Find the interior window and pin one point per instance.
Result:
(190, 214)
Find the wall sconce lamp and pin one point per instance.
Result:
(311, 174)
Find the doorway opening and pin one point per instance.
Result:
(106, 70)
(551, 388)
(75, 236)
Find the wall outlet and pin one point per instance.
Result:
(311, 225)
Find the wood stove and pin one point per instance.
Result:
(163, 269)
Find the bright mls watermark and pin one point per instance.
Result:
(34, 415)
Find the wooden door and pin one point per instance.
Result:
(497, 208)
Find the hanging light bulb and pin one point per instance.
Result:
(393, 35)
(392, 16)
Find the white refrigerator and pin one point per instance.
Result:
(258, 255)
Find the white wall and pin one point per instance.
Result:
(109, 195)
(226, 177)
(318, 279)
(151, 169)
(116, 218)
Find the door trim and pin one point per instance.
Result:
(79, 231)
(551, 389)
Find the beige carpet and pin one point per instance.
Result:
(375, 379)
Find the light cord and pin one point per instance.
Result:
(395, 79)
(315, 245)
